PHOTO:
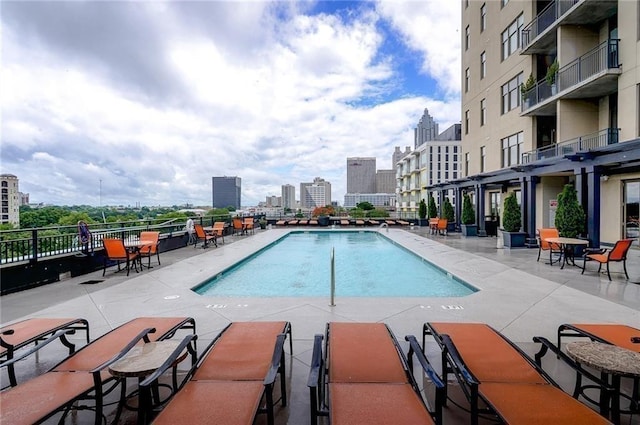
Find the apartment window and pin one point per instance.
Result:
(483, 17)
(466, 122)
(483, 155)
(511, 94)
(466, 3)
(466, 38)
(504, 2)
(483, 112)
(512, 149)
(511, 37)
(467, 77)
(466, 164)
(483, 64)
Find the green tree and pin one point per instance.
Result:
(367, 206)
(433, 210)
(447, 210)
(511, 220)
(73, 218)
(570, 216)
(357, 213)
(468, 212)
(377, 212)
(422, 209)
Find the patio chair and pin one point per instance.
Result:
(234, 379)
(82, 376)
(38, 331)
(202, 235)
(150, 249)
(238, 226)
(249, 225)
(218, 230)
(114, 250)
(493, 372)
(617, 254)
(363, 378)
(543, 245)
(442, 226)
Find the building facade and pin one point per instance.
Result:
(316, 194)
(426, 130)
(551, 96)
(361, 175)
(386, 181)
(10, 200)
(226, 192)
(288, 196)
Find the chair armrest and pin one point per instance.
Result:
(187, 342)
(143, 335)
(316, 362)
(414, 348)
(276, 359)
(458, 363)
(59, 334)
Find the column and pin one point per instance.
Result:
(592, 208)
(480, 210)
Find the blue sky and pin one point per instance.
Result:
(152, 99)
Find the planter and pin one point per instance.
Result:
(423, 222)
(469, 229)
(451, 227)
(323, 220)
(513, 239)
(554, 89)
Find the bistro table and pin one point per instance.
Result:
(614, 363)
(137, 245)
(567, 246)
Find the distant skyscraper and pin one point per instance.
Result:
(386, 181)
(426, 130)
(361, 175)
(316, 194)
(226, 191)
(288, 196)
(398, 155)
(10, 199)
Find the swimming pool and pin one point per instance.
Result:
(367, 264)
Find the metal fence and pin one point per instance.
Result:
(545, 19)
(586, 143)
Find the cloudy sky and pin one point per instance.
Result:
(125, 103)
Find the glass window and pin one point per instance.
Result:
(483, 17)
(495, 203)
(631, 210)
(483, 112)
(483, 65)
(512, 150)
(467, 76)
(466, 164)
(466, 122)
(511, 37)
(483, 155)
(467, 35)
(511, 94)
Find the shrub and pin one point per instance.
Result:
(433, 210)
(468, 213)
(422, 209)
(447, 210)
(511, 221)
(570, 216)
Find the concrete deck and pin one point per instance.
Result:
(518, 296)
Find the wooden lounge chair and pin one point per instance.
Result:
(114, 250)
(218, 230)
(617, 254)
(18, 335)
(491, 368)
(150, 249)
(202, 235)
(82, 376)
(543, 245)
(233, 379)
(363, 378)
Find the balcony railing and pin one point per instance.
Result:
(586, 143)
(545, 19)
(601, 58)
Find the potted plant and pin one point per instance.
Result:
(263, 223)
(570, 216)
(468, 226)
(511, 223)
(422, 212)
(552, 74)
(526, 88)
(433, 210)
(449, 214)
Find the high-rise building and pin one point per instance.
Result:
(386, 181)
(426, 130)
(288, 196)
(10, 199)
(361, 175)
(24, 198)
(227, 192)
(273, 201)
(551, 96)
(316, 194)
(398, 155)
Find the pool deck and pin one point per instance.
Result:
(518, 296)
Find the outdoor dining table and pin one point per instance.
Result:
(567, 246)
(137, 246)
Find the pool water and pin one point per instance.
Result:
(367, 264)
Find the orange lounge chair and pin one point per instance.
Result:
(218, 230)
(303, 222)
(490, 367)
(607, 333)
(363, 378)
(374, 222)
(114, 250)
(150, 241)
(234, 375)
(292, 222)
(403, 223)
(543, 245)
(15, 336)
(83, 374)
(313, 222)
(390, 222)
(202, 235)
(617, 254)
(344, 222)
(359, 222)
(281, 222)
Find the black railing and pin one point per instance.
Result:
(586, 143)
(545, 19)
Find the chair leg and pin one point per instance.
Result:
(540, 250)
(608, 274)
(624, 266)
(157, 255)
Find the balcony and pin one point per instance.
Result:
(582, 144)
(539, 35)
(594, 74)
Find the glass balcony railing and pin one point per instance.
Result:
(586, 143)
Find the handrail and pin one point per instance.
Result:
(546, 18)
(596, 140)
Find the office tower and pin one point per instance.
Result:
(10, 200)
(386, 181)
(426, 130)
(288, 196)
(316, 194)
(226, 192)
(361, 175)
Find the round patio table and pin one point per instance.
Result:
(567, 246)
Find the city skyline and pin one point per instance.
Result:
(120, 103)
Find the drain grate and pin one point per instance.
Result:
(91, 282)
(452, 307)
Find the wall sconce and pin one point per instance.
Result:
(604, 178)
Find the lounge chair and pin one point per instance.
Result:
(374, 222)
(617, 254)
(233, 379)
(303, 222)
(313, 222)
(115, 250)
(390, 222)
(403, 223)
(363, 378)
(344, 222)
(202, 235)
(514, 388)
(359, 222)
(292, 222)
(281, 223)
(82, 376)
(151, 248)
(543, 245)
(218, 230)
(18, 335)
(608, 333)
